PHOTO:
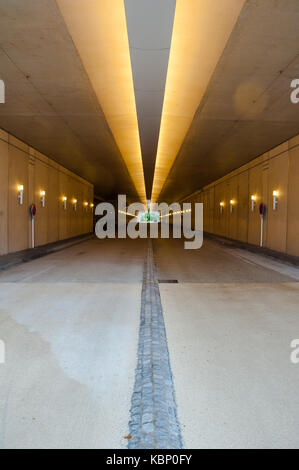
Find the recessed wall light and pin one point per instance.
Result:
(232, 202)
(20, 193)
(275, 200)
(43, 198)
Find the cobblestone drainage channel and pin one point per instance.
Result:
(154, 423)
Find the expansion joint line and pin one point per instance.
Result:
(154, 423)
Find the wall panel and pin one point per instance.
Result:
(256, 190)
(41, 184)
(276, 170)
(3, 194)
(232, 214)
(18, 215)
(22, 165)
(277, 219)
(243, 206)
(293, 202)
(52, 200)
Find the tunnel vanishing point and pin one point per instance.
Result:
(149, 227)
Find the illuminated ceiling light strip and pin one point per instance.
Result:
(99, 31)
(200, 33)
(127, 213)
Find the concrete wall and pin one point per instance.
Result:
(22, 165)
(276, 170)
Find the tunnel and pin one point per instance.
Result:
(149, 226)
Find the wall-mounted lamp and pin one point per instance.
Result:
(64, 200)
(43, 198)
(91, 206)
(253, 202)
(85, 204)
(20, 193)
(221, 206)
(231, 205)
(75, 204)
(275, 200)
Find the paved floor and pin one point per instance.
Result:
(70, 323)
(229, 323)
(214, 263)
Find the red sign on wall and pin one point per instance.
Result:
(262, 209)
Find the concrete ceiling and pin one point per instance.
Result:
(50, 103)
(149, 25)
(246, 109)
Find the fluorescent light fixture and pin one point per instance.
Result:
(99, 31)
(200, 32)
